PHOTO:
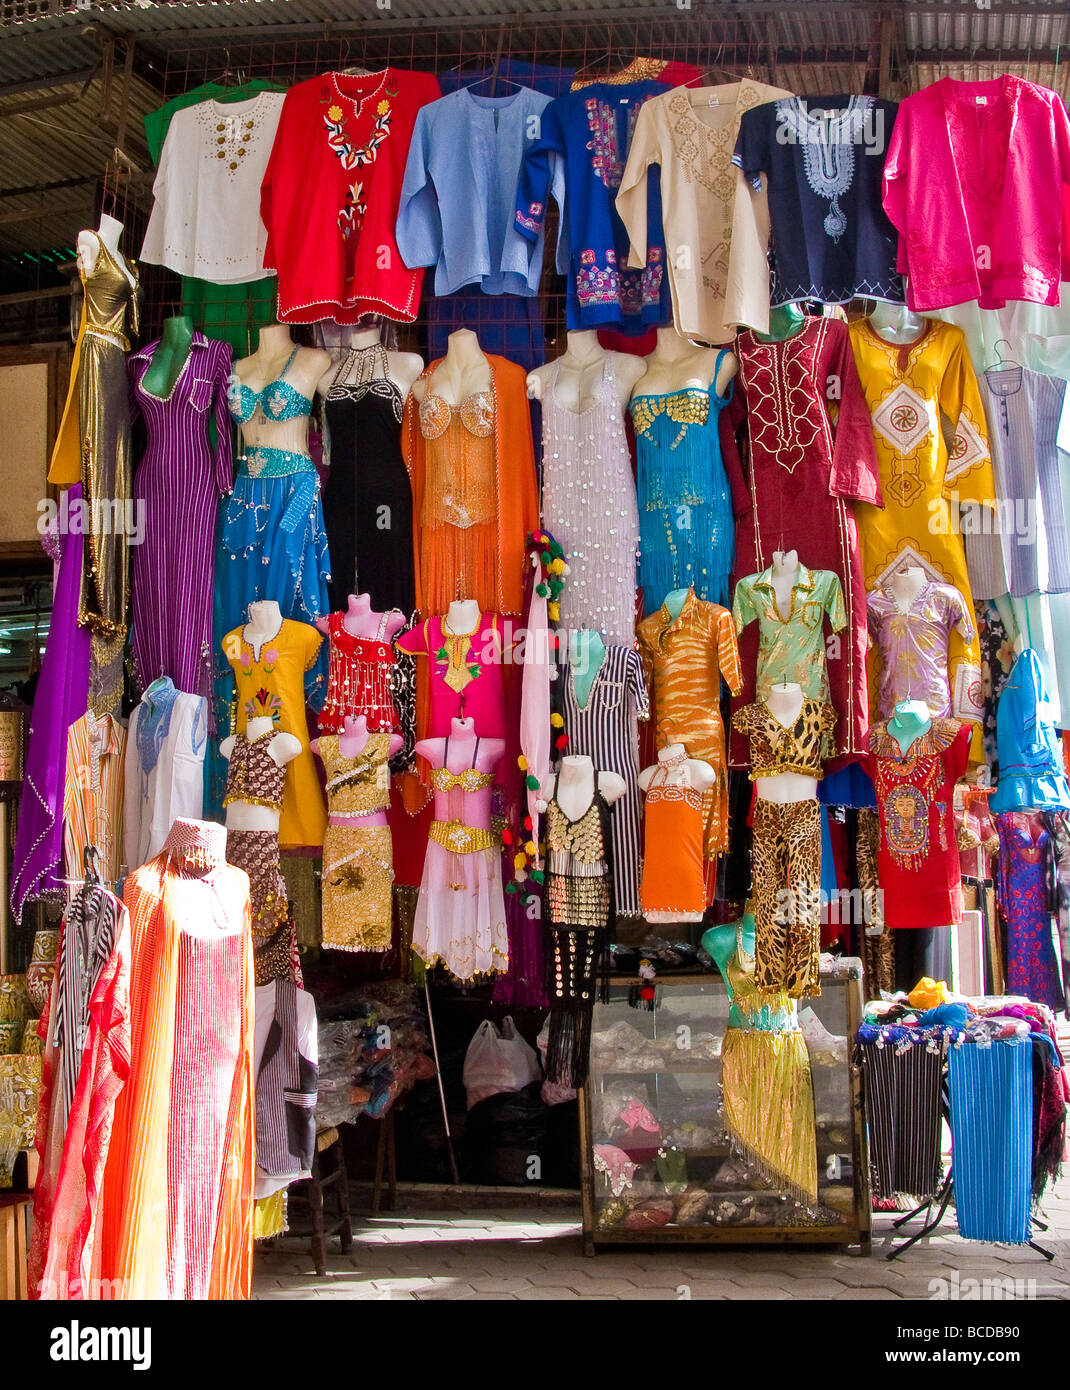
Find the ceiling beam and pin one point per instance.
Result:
(42, 84)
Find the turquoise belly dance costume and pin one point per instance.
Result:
(271, 544)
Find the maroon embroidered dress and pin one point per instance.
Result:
(918, 866)
(810, 454)
(359, 679)
(330, 196)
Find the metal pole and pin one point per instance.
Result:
(441, 1092)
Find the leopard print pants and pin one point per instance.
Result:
(786, 883)
(878, 962)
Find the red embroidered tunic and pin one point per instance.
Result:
(330, 196)
(811, 452)
(918, 867)
(359, 674)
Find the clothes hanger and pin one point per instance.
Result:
(1001, 361)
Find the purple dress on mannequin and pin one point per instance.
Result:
(1032, 969)
(177, 488)
(62, 697)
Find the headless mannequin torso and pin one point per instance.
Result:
(283, 748)
(361, 620)
(88, 247)
(276, 356)
(785, 703)
(785, 576)
(351, 743)
(895, 323)
(402, 368)
(573, 787)
(170, 358)
(462, 750)
(588, 651)
(784, 322)
(464, 371)
(577, 373)
(264, 625)
(677, 364)
(909, 722)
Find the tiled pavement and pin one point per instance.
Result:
(534, 1252)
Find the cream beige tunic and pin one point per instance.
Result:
(716, 228)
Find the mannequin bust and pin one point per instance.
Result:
(402, 368)
(361, 620)
(784, 702)
(269, 361)
(676, 363)
(587, 651)
(895, 323)
(170, 357)
(784, 322)
(462, 750)
(909, 722)
(674, 602)
(722, 942)
(573, 786)
(578, 371)
(906, 584)
(264, 625)
(351, 742)
(692, 773)
(464, 371)
(785, 576)
(283, 748)
(462, 617)
(88, 247)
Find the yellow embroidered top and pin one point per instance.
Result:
(932, 447)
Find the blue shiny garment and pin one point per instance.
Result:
(278, 400)
(1031, 776)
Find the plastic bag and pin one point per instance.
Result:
(497, 1062)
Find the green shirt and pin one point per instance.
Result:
(791, 651)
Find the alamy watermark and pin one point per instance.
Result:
(103, 516)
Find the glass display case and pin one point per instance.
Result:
(659, 1164)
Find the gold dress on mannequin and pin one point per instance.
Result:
(93, 448)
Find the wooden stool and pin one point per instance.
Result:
(385, 1153)
(13, 1278)
(328, 1143)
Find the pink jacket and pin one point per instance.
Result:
(977, 181)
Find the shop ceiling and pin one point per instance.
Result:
(76, 79)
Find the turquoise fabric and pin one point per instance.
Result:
(1031, 775)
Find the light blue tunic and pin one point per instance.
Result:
(457, 201)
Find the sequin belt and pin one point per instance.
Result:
(265, 462)
(116, 339)
(461, 839)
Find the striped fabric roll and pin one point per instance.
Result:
(903, 1107)
(991, 1091)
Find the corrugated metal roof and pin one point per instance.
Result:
(57, 135)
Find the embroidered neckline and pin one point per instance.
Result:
(940, 735)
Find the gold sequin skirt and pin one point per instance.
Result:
(358, 875)
(769, 1106)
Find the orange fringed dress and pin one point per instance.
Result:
(177, 1206)
(474, 492)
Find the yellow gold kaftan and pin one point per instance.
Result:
(932, 447)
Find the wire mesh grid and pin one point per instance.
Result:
(859, 52)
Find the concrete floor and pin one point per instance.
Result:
(534, 1252)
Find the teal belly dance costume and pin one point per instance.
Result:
(271, 544)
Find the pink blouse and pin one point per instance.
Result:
(466, 669)
(976, 181)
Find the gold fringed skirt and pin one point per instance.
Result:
(769, 1106)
